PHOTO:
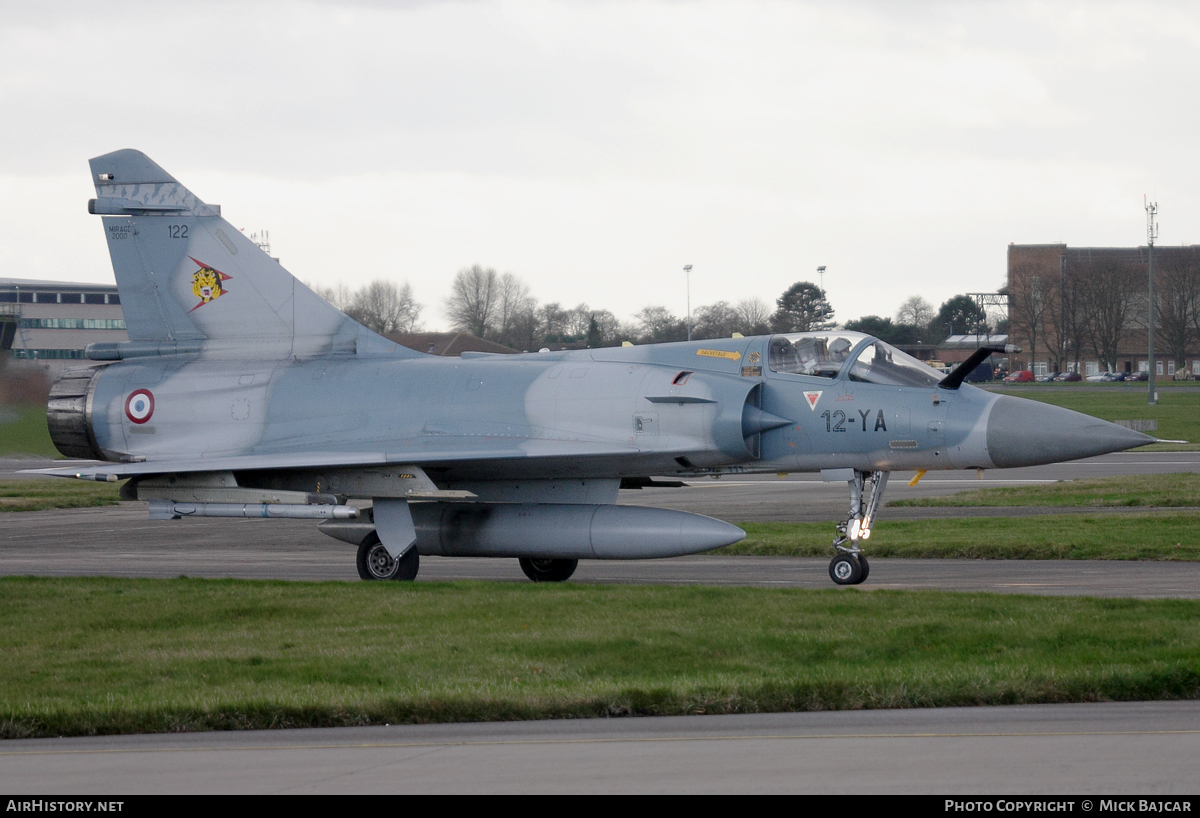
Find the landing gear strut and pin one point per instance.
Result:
(850, 566)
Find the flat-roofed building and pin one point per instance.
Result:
(1085, 309)
(52, 322)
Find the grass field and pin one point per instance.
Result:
(1139, 536)
(98, 656)
(86, 656)
(55, 492)
(23, 432)
(1146, 490)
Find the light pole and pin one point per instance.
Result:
(1151, 235)
(687, 268)
(1062, 313)
(821, 276)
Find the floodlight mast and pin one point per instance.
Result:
(1151, 235)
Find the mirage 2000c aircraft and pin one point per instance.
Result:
(242, 393)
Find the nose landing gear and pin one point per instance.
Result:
(850, 566)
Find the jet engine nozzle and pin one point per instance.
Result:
(69, 413)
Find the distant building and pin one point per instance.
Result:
(1085, 309)
(52, 322)
(957, 348)
(922, 352)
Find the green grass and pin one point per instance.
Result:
(1177, 412)
(23, 432)
(89, 656)
(37, 494)
(1138, 536)
(1149, 490)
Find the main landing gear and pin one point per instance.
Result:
(850, 566)
(548, 570)
(374, 561)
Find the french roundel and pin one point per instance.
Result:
(139, 406)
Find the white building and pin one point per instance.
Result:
(52, 322)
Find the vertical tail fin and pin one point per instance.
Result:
(186, 275)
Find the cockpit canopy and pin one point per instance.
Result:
(853, 355)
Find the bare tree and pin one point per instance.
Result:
(659, 325)
(1067, 324)
(515, 323)
(718, 320)
(340, 296)
(524, 331)
(1110, 302)
(553, 321)
(604, 330)
(579, 319)
(471, 306)
(915, 312)
(1030, 298)
(1196, 312)
(596, 328)
(624, 331)
(1177, 284)
(385, 308)
(754, 316)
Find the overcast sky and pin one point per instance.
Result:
(594, 148)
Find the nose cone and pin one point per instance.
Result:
(1028, 433)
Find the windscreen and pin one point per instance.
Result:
(817, 354)
(884, 364)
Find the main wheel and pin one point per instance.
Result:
(866, 567)
(374, 561)
(548, 570)
(844, 569)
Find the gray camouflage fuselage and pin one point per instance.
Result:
(240, 385)
(583, 414)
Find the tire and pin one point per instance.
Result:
(548, 570)
(844, 569)
(374, 562)
(866, 568)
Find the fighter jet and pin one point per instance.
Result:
(242, 393)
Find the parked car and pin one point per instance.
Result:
(1047, 378)
(1067, 377)
(1138, 376)
(1021, 376)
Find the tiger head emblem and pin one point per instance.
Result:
(207, 283)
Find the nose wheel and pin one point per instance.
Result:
(849, 569)
(850, 566)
